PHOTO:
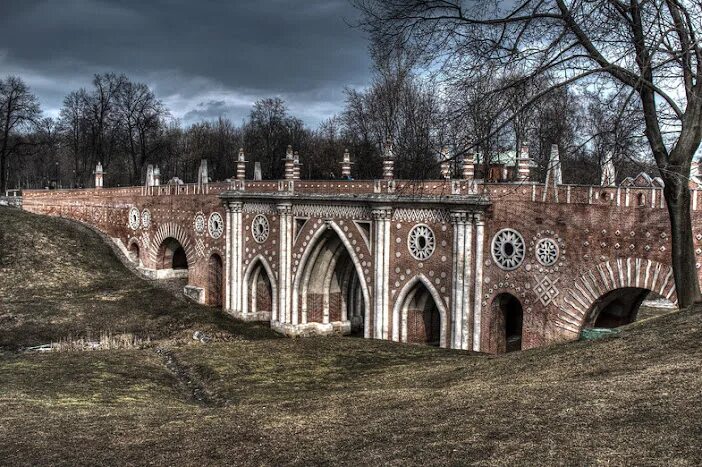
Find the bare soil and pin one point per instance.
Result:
(250, 398)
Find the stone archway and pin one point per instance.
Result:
(171, 255)
(507, 323)
(329, 287)
(215, 281)
(134, 252)
(620, 307)
(260, 294)
(167, 233)
(595, 285)
(171, 260)
(419, 314)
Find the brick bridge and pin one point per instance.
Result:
(458, 263)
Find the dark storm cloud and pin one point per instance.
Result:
(201, 57)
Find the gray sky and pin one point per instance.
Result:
(202, 58)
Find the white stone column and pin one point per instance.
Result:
(458, 219)
(236, 255)
(285, 291)
(467, 285)
(461, 304)
(381, 265)
(478, 304)
(228, 259)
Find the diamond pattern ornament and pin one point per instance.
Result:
(546, 290)
(200, 247)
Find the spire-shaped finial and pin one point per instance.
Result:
(445, 164)
(241, 165)
(346, 165)
(609, 174)
(388, 160)
(296, 166)
(289, 164)
(524, 164)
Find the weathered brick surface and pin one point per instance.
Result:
(608, 238)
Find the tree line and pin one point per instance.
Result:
(125, 126)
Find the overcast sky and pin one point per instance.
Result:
(202, 58)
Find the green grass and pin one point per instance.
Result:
(634, 399)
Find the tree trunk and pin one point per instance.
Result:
(3, 158)
(677, 196)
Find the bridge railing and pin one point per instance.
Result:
(631, 197)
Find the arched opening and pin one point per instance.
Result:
(508, 317)
(171, 255)
(421, 319)
(134, 252)
(180, 261)
(259, 296)
(171, 259)
(641, 199)
(215, 281)
(329, 289)
(624, 306)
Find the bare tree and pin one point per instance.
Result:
(142, 119)
(19, 110)
(651, 48)
(478, 114)
(103, 119)
(268, 133)
(74, 127)
(403, 108)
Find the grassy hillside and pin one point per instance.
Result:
(634, 399)
(60, 280)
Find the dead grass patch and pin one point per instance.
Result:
(631, 399)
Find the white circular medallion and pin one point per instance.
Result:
(547, 252)
(215, 225)
(260, 228)
(199, 223)
(421, 242)
(508, 249)
(146, 218)
(134, 218)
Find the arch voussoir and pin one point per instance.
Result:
(607, 277)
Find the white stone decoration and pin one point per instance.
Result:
(331, 211)
(146, 218)
(260, 228)
(546, 290)
(134, 218)
(421, 215)
(215, 225)
(421, 242)
(547, 251)
(508, 249)
(199, 223)
(200, 247)
(259, 208)
(145, 240)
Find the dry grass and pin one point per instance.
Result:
(60, 280)
(633, 399)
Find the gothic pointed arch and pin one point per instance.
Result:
(411, 293)
(318, 285)
(260, 291)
